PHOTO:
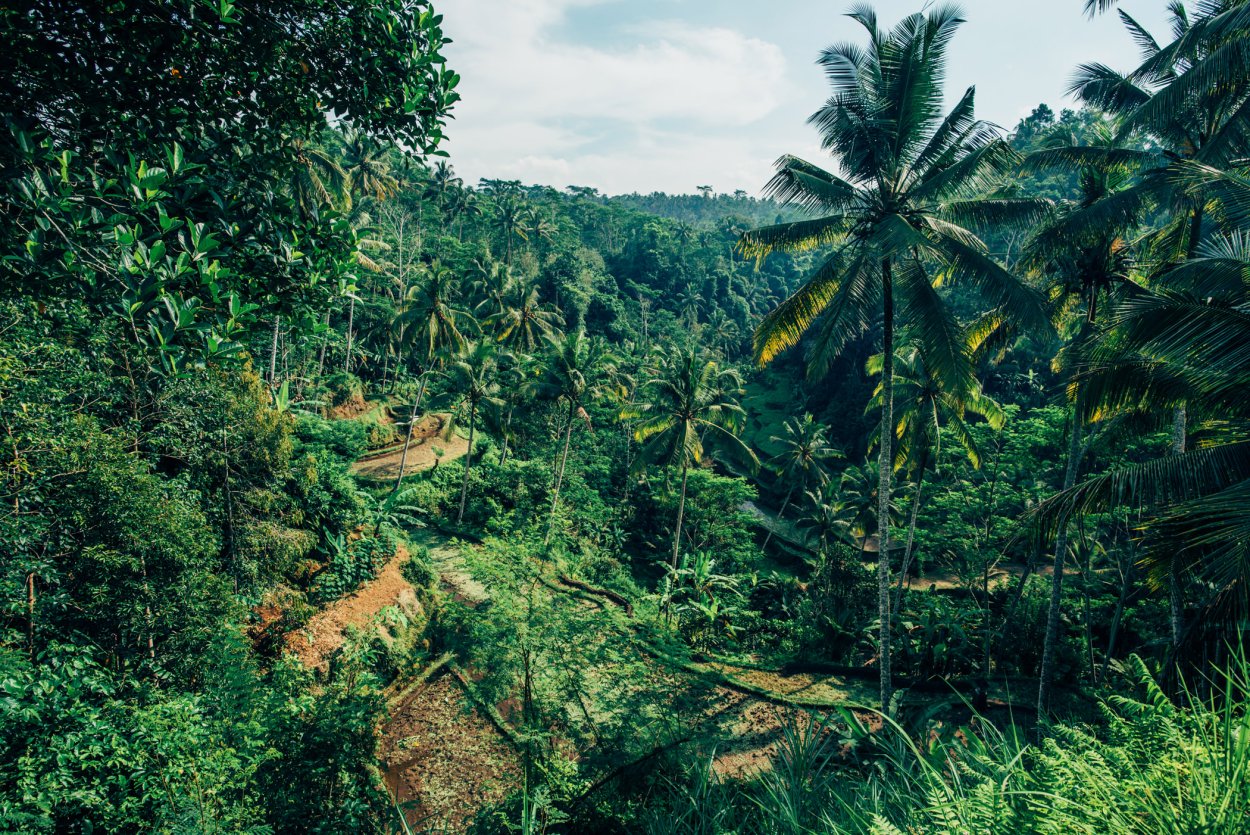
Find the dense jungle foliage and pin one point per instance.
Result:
(910, 496)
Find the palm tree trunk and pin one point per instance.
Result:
(507, 433)
(351, 314)
(273, 352)
(321, 354)
(911, 534)
(412, 420)
(1120, 604)
(780, 513)
(1056, 584)
(681, 514)
(564, 457)
(886, 462)
(1176, 600)
(468, 464)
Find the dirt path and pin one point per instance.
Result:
(426, 438)
(325, 631)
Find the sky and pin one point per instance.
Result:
(668, 95)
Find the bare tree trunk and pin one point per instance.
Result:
(468, 464)
(507, 434)
(1121, 602)
(681, 515)
(351, 315)
(321, 354)
(886, 464)
(911, 536)
(30, 613)
(780, 514)
(412, 420)
(1176, 600)
(1047, 671)
(273, 352)
(564, 457)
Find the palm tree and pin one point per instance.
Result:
(523, 323)
(803, 460)
(510, 221)
(538, 228)
(462, 204)
(473, 387)
(443, 179)
(1185, 342)
(432, 326)
(1084, 254)
(365, 163)
(923, 403)
(911, 186)
(576, 371)
(316, 178)
(492, 281)
(687, 401)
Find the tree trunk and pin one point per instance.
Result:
(273, 352)
(780, 514)
(468, 464)
(681, 515)
(564, 457)
(507, 432)
(1176, 599)
(321, 354)
(351, 315)
(911, 534)
(1121, 602)
(30, 613)
(412, 420)
(886, 465)
(1056, 584)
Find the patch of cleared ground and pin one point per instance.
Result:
(443, 760)
(325, 631)
(426, 439)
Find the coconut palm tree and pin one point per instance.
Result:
(510, 221)
(1083, 255)
(443, 182)
(367, 168)
(910, 187)
(432, 326)
(1184, 342)
(538, 228)
(924, 403)
(523, 323)
(316, 178)
(473, 387)
(688, 402)
(576, 371)
(491, 282)
(803, 460)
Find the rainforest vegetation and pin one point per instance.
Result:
(341, 495)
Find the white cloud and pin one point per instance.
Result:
(633, 116)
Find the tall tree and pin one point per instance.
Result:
(924, 402)
(523, 323)
(473, 387)
(1083, 254)
(688, 401)
(911, 186)
(803, 463)
(432, 325)
(576, 371)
